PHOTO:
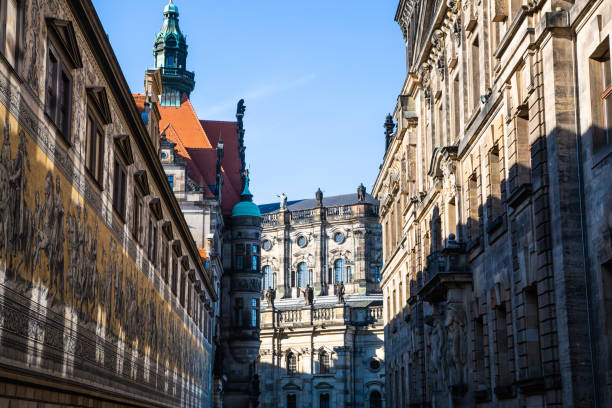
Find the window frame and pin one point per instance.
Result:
(19, 30)
(291, 362)
(341, 269)
(96, 173)
(137, 211)
(65, 94)
(153, 238)
(324, 362)
(119, 199)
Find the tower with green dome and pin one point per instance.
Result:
(170, 53)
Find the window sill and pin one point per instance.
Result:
(58, 132)
(601, 155)
(93, 181)
(496, 228)
(118, 215)
(12, 69)
(519, 195)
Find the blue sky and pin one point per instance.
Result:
(317, 76)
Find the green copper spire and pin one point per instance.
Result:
(246, 207)
(170, 52)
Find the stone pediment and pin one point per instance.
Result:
(323, 386)
(63, 31)
(291, 387)
(440, 156)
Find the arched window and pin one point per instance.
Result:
(375, 400)
(323, 362)
(291, 364)
(339, 267)
(267, 278)
(302, 274)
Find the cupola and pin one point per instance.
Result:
(246, 207)
(170, 53)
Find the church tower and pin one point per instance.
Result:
(170, 52)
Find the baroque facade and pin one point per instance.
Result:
(204, 162)
(103, 292)
(321, 314)
(495, 206)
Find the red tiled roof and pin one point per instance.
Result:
(140, 101)
(183, 118)
(196, 141)
(231, 157)
(202, 252)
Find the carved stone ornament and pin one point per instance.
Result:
(441, 67)
(427, 95)
(449, 169)
(437, 40)
(457, 31)
(453, 5)
(424, 73)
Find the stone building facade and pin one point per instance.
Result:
(103, 292)
(321, 314)
(495, 207)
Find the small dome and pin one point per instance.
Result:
(171, 8)
(246, 207)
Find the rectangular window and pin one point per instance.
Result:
(239, 257)
(171, 181)
(10, 30)
(324, 401)
(255, 259)
(174, 275)
(456, 109)
(182, 288)
(164, 260)
(152, 249)
(137, 216)
(119, 188)
(473, 221)
(479, 356)
(475, 54)
(254, 313)
(58, 93)
(291, 401)
(188, 296)
(94, 148)
(601, 95)
(494, 205)
(532, 332)
(502, 350)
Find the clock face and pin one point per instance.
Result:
(339, 237)
(266, 245)
(302, 242)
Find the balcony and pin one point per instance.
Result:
(177, 72)
(270, 219)
(446, 269)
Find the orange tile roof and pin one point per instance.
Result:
(202, 252)
(183, 118)
(140, 101)
(196, 141)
